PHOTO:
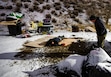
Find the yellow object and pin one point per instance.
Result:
(33, 25)
(40, 23)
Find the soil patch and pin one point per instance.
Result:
(57, 53)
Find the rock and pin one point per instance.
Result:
(98, 64)
(73, 64)
(75, 29)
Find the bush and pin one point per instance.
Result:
(67, 5)
(19, 4)
(41, 10)
(48, 7)
(72, 15)
(77, 20)
(54, 12)
(26, 5)
(2, 14)
(36, 3)
(9, 7)
(54, 20)
(35, 7)
(57, 4)
(53, 0)
(75, 28)
(14, 0)
(75, 13)
(47, 0)
(40, 1)
(61, 0)
(1, 7)
(58, 7)
(48, 16)
(26, 0)
(43, 7)
(31, 9)
(17, 9)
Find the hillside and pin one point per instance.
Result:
(63, 13)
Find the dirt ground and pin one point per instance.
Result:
(53, 54)
(57, 53)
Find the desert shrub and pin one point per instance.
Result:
(70, 11)
(58, 7)
(75, 28)
(57, 4)
(66, 5)
(17, 9)
(75, 12)
(61, 0)
(14, 0)
(60, 13)
(31, 9)
(54, 12)
(19, 4)
(41, 10)
(9, 7)
(48, 15)
(44, 7)
(2, 14)
(77, 20)
(54, 20)
(73, 1)
(35, 7)
(26, 0)
(47, 0)
(36, 3)
(53, 0)
(80, 10)
(48, 7)
(1, 7)
(40, 1)
(26, 5)
(72, 15)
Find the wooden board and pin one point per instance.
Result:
(8, 22)
(90, 29)
(39, 42)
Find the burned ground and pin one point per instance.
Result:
(57, 53)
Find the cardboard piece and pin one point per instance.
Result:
(8, 22)
(39, 42)
(42, 41)
(67, 41)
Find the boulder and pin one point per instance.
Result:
(98, 64)
(72, 65)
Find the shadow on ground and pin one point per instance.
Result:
(61, 52)
(82, 48)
